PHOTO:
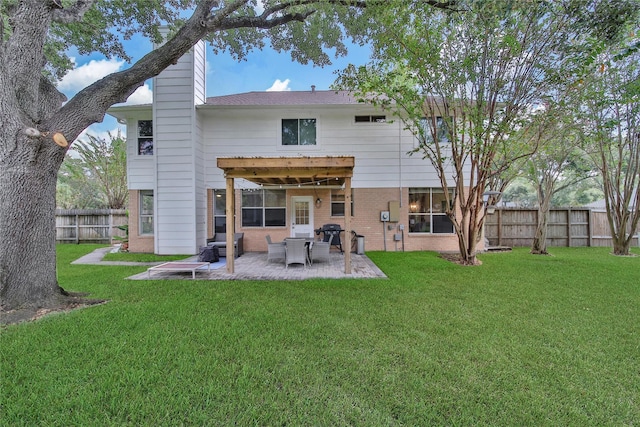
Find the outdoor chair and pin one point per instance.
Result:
(296, 252)
(275, 250)
(320, 251)
(220, 240)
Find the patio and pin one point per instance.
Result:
(254, 266)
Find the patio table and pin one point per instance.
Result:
(178, 266)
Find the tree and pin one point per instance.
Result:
(74, 190)
(611, 122)
(36, 123)
(101, 168)
(472, 75)
(558, 163)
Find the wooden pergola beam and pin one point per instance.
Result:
(285, 162)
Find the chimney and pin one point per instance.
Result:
(313, 88)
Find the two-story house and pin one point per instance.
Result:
(291, 160)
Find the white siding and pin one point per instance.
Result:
(180, 196)
(380, 149)
(200, 187)
(140, 169)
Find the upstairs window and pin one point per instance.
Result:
(427, 133)
(298, 131)
(371, 119)
(145, 137)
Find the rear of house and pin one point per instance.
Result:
(178, 192)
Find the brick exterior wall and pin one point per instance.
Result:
(368, 203)
(137, 243)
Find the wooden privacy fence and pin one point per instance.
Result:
(571, 227)
(89, 225)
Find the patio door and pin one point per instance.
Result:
(302, 215)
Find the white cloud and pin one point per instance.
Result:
(84, 75)
(279, 86)
(142, 95)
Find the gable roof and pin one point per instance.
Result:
(310, 97)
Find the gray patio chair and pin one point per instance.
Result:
(275, 250)
(320, 251)
(296, 252)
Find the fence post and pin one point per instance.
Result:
(77, 229)
(569, 227)
(499, 227)
(110, 232)
(590, 228)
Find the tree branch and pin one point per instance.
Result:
(67, 15)
(90, 104)
(442, 4)
(262, 23)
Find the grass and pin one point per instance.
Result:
(520, 340)
(141, 257)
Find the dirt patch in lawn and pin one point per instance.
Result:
(29, 314)
(457, 259)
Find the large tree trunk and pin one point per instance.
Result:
(27, 235)
(33, 119)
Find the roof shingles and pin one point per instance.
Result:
(313, 97)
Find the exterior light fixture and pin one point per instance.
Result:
(490, 209)
(318, 202)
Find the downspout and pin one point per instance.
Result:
(400, 160)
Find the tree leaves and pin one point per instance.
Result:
(98, 177)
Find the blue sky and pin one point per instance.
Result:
(261, 71)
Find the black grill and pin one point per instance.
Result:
(329, 230)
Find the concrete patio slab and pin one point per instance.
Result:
(254, 266)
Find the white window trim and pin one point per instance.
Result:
(353, 205)
(431, 214)
(138, 137)
(369, 123)
(264, 209)
(297, 148)
(421, 124)
(142, 193)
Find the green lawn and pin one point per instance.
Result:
(521, 340)
(141, 257)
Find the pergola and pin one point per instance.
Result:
(287, 171)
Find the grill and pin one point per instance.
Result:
(329, 230)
